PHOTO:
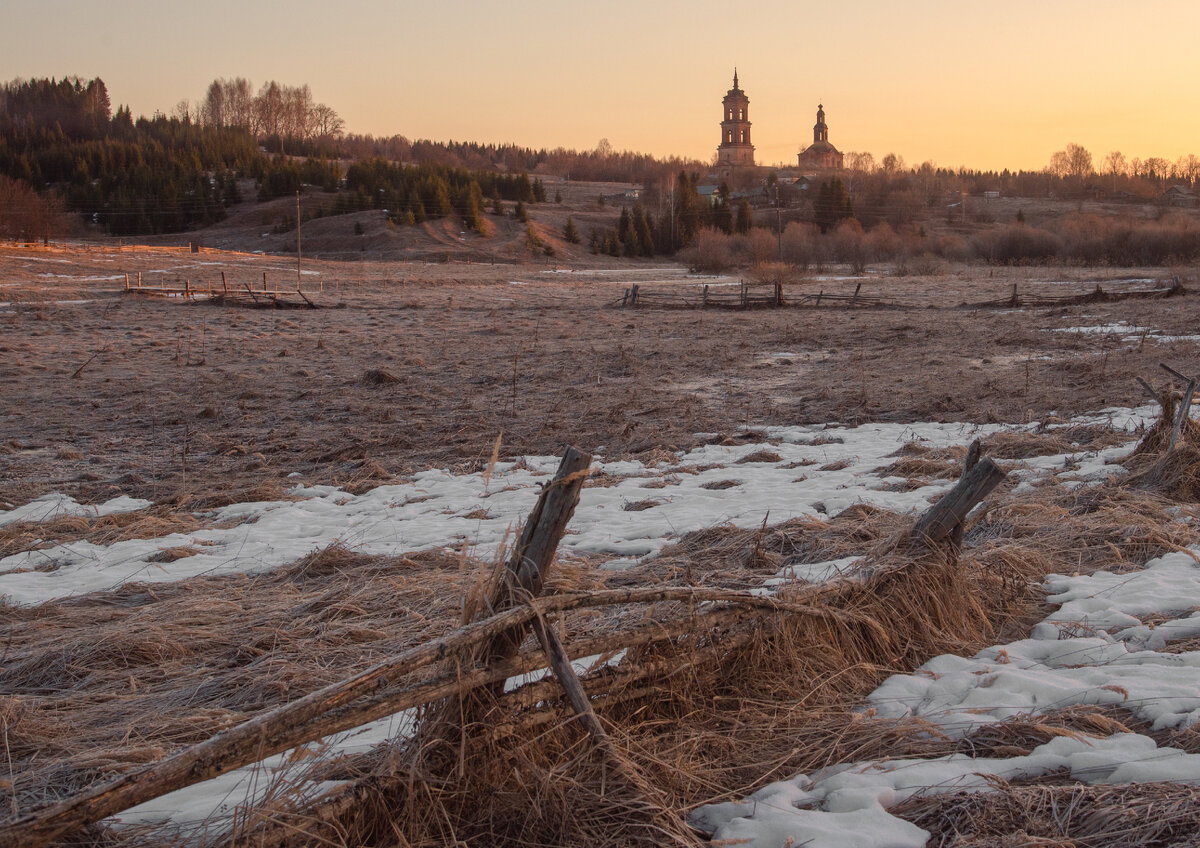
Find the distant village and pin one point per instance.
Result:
(736, 172)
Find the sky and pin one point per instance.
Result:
(972, 83)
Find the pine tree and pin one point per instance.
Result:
(832, 204)
(521, 213)
(570, 233)
(642, 230)
(627, 234)
(745, 217)
(474, 211)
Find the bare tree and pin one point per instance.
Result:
(212, 110)
(863, 162)
(1079, 162)
(239, 102)
(1188, 168)
(297, 108)
(893, 163)
(326, 122)
(268, 109)
(1115, 166)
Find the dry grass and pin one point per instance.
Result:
(105, 530)
(721, 705)
(96, 685)
(1139, 815)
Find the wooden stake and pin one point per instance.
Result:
(944, 516)
(1181, 415)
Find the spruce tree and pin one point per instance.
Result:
(473, 216)
(642, 230)
(570, 233)
(745, 217)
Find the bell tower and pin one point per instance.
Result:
(735, 148)
(820, 129)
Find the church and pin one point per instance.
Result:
(736, 151)
(820, 155)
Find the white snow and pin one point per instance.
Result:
(846, 805)
(1094, 649)
(436, 508)
(54, 505)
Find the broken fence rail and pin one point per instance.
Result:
(378, 691)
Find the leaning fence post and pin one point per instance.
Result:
(525, 572)
(944, 517)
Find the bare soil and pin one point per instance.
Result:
(174, 400)
(412, 364)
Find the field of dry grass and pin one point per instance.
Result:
(415, 365)
(156, 399)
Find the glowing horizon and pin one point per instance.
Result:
(959, 84)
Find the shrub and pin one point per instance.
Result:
(709, 252)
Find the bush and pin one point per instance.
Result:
(763, 245)
(850, 245)
(710, 252)
(1016, 244)
(802, 245)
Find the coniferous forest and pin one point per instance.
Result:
(63, 147)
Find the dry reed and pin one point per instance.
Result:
(706, 705)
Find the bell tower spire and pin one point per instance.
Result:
(735, 148)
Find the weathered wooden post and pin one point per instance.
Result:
(525, 572)
(704, 297)
(944, 518)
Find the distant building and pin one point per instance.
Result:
(820, 155)
(735, 150)
(1179, 195)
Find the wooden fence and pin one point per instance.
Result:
(487, 651)
(773, 296)
(226, 295)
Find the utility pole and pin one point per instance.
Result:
(778, 223)
(297, 239)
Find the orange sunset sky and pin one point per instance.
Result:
(980, 84)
